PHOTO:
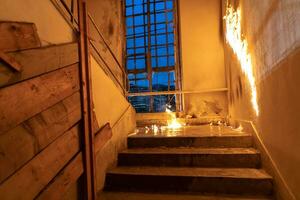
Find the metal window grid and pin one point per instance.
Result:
(151, 52)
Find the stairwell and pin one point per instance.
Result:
(196, 162)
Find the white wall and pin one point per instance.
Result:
(202, 55)
(202, 44)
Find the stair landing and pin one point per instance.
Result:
(191, 136)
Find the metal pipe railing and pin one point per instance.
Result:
(105, 42)
(107, 66)
(175, 92)
(124, 74)
(62, 5)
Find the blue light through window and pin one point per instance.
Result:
(150, 42)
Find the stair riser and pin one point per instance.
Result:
(191, 160)
(174, 196)
(124, 182)
(205, 142)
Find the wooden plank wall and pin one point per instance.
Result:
(18, 36)
(40, 117)
(41, 153)
(53, 57)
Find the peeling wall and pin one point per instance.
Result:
(202, 56)
(107, 14)
(110, 104)
(51, 26)
(272, 29)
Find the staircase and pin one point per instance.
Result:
(197, 162)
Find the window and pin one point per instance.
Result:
(150, 53)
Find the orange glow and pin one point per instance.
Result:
(155, 129)
(240, 48)
(173, 123)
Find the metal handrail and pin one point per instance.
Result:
(105, 42)
(124, 86)
(107, 66)
(59, 8)
(71, 21)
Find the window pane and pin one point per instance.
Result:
(161, 47)
(130, 64)
(139, 20)
(160, 81)
(129, 21)
(140, 63)
(162, 61)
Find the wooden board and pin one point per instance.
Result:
(26, 99)
(64, 180)
(96, 127)
(35, 62)
(10, 61)
(102, 137)
(86, 99)
(18, 35)
(36, 174)
(22, 143)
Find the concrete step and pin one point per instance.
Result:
(207, 180)
(173, 196)
(191, 157)
(205, 141)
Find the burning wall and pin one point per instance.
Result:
(271, 29)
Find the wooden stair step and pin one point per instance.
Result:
(208, 180)
(191, 157)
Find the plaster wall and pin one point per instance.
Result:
(271, 28)
(51, 26)
(110, 107)
(110, 104)
(202, 56)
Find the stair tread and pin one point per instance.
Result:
(190, 150)
(173, 196)
(189, 131)
(190, 135)
(193, 172)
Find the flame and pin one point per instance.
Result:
(173, 123)
(240, 48)
(155, 129)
